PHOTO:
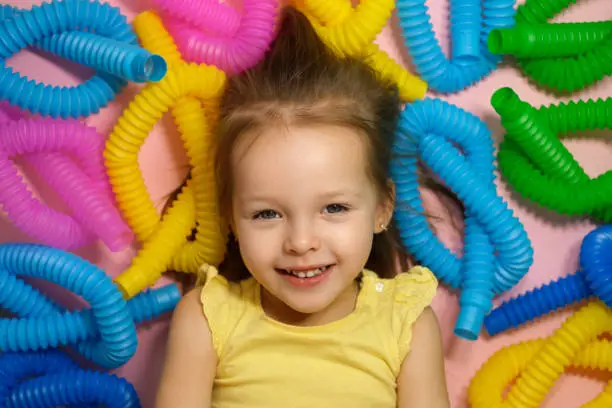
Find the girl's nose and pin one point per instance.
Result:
(301, 239)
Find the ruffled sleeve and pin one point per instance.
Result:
(414, 291)
(221, 305)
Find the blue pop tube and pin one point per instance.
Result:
(105, 334)
(593, 279)
(471, 23)
(429, 129)
(59, 382)
(51, 26)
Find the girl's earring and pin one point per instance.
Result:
(383, 226)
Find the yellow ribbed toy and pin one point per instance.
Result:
(539, 363)
(187, 91)
(352, 32)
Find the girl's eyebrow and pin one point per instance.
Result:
(344, 193)
(341, 193)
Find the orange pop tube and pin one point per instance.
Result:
(181, 92)
(538, 364)
(352, 32)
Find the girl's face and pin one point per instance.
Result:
(304, 212)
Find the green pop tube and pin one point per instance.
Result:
(539, 167)
(546, 56)
(549, 40)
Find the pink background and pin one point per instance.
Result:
(556, 239)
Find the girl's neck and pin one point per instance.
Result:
(341, 307)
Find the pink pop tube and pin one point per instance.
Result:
(94, 169)
(230, 54)
(93, 209)
(205, 15)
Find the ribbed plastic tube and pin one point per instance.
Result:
(117, 332)
(470, 25)
(21, 299)
(352, 32)
(85, 187)
(491, 380)
(183, 92)
(566, 73)
(497, 250)
(211, 16)
(235, 53)
(549, 40)
(51, 379)
(539, 167)
(594, 279)
(52, 26)
(556, 354)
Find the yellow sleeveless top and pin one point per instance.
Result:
(353, 362)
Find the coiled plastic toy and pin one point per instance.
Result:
(574, 56)
(593, 279)
(106, 334)
(181, 92)
(210, 16)
(51, 379)
(471, 22)
(85, 188)
(233, 52)
(428, 129)
(535, 162)
(51, 26)
(352, 32)
(490, 382)
(538, 365)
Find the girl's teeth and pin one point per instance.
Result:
(308, 274)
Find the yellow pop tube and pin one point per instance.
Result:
(152, 260)
(329, 12)
(410, 87)
(185, 86)
(351, 32)
(538, 364)
(153, 36)
(357, 29)
(209, 244)
(491, 380)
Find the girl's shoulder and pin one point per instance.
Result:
(400, 301)
(412, 286)
(224, 302)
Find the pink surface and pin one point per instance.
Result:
(556, 239)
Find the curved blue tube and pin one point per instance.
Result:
(596, 262)
(21, 299)
(112, 320)
(423, 130)
(130, 62)
(537, 302)
(593, 279)
(51, 26)
(471, 23)
(58, 382)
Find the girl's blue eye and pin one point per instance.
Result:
(265, 215)
(336, 208)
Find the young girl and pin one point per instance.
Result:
(307, 310)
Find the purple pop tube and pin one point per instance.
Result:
(80, 186)
(230, 54)
(205, 15)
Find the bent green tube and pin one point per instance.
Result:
(549, 40)
(553, 66)
(539, 167)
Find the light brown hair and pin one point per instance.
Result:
(302, 81)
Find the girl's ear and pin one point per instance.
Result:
(384, 211)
